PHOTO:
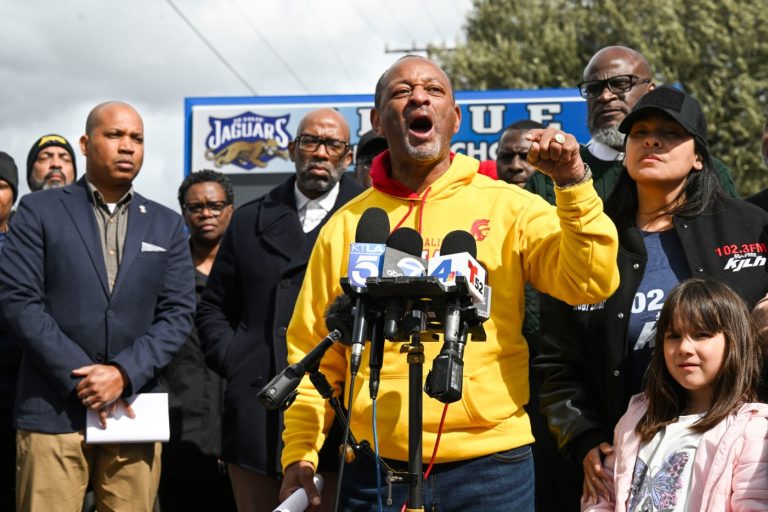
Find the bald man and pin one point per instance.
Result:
(614, 80)
(97, 288)
(248, 301)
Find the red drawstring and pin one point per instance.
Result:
(419, 221)
(421, 210)
(410, 209)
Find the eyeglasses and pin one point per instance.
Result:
(311, 143)
(618, 84)
(507, 156)
(215, 207)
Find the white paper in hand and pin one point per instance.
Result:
(149, 425)
(298, 502)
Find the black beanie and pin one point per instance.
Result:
(10, 173)
(44, 142)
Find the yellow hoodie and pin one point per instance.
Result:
(568, 252)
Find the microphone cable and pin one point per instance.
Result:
(378, 461)
(345, 446)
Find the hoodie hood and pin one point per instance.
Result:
(462, 171)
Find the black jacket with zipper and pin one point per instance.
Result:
(583, 359)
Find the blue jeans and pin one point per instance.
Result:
(498, 482)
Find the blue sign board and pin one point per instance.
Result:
(251, 134)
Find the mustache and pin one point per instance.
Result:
(53, 172)
(324, 164)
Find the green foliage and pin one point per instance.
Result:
(716, 49)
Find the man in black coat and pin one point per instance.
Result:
(249, 298)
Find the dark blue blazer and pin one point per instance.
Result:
(56, 303)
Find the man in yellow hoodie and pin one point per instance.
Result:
(568, 251)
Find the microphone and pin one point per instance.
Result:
(444, 381)
(401, 258)
(403, 254)
(457, 258)
(298, 501)
(367, 251)
(376, 359)
(365, 261)
(280, 392)
(340, 316)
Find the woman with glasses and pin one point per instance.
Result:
(674, 222)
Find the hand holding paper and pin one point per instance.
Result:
(144, 420)
(101, 385)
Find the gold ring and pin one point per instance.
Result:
(560, 138)
(86, 402)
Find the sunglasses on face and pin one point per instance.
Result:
(618, 84)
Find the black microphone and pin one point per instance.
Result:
(281, 391)
(456, 242)
(372, 229)
(403, 254)
(444, 381)
(376, 359)
(402, 258)
(340, 315)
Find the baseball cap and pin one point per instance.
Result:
(371, 143)
(681, 107)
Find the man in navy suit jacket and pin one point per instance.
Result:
(97, 288)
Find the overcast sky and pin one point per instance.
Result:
(60, 59)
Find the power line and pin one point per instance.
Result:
(432, 20)
(369, 22)
(459, 11)
(311, 5)
(272, 48)
(212, 48)
(402, 25)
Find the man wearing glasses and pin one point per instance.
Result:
(615, 79)
(249, 298)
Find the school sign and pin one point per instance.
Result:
(250, 135)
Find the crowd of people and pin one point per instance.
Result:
(623, 348)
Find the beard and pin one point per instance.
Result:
(316, 183)
(424, 152)
(53, 184)
(610, 136)
(47, 184)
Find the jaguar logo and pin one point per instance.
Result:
(242, 153)
(247, 140)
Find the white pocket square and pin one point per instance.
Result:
(146, 247)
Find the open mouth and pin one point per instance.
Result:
(421, 125)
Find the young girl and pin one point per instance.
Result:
(696, 439)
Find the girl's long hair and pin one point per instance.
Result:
(710, 307)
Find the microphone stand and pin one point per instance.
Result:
(425, 293)
(415, 358)
(413, 324)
